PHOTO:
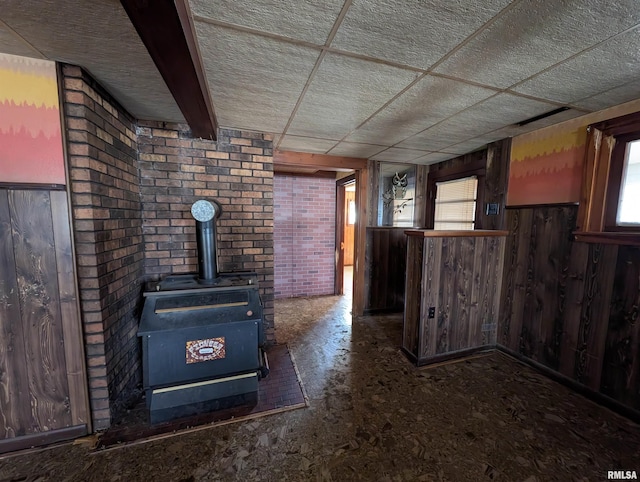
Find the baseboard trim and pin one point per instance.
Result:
(586, 392)
(43, 438)
(453, 355)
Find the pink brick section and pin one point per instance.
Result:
(304, 235)
(237, 171)
(107, 222)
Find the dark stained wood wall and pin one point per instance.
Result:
(385, 269)
(492, 186)
(572, 306)
(42, 382)
(460, 277)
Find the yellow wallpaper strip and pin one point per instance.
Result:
(548, 143)
(28, 89)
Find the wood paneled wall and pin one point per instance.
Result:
(43, 386)
(492, 167)
(460, 278)
(385, 269)
(571, 306)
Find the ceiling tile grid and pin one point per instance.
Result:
(353, 149)
(412, 32)
(611, 64)
(399, 80)
(432, 158)
(254, 81)
(306, 144)
(617, 95)
(344, 93)
(484, 117)
(399, 154)
(306, 20)
(429, 101)
(536, 34)
(12, 43)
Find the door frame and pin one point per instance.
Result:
(341, 185)
(291, 159)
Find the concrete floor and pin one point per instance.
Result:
(373, 416)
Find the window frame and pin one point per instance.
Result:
(475, 168)
(602, 179)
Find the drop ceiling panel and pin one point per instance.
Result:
(109, 49)
(411, 32)
(304, 19)
(615, 96)
(426, 103)
(12, 44)
(433, 158)
(343, 93)
(489, 115)
(603, 68)
(255, 81)
(352, 149)
(400, 155)
(306, 144)
(534, 35)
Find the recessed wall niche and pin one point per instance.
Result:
(396, 194)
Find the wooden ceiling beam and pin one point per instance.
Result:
(166, 29)
(319, 161)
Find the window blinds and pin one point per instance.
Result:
(456, 204)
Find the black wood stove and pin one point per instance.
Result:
(202, 335)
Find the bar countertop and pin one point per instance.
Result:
(433, 233)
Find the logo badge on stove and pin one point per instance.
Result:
(205, 350)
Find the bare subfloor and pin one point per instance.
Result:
(373, 416)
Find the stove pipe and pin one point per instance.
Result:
(206, 214)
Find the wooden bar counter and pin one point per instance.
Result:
(452, 293)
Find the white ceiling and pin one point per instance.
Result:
(396, 80)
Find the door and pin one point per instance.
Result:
(349, 222)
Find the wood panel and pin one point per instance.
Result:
(38, 308)
(495, 182)
(70, 311)
(319, 161)
(572, 306)
(34, 248)
(14, 389)
(428, 294)
(414, 283)
(362, 193)
(594, 319)
(385, 269)
(492, 168)
(621, 361)
(461, 281)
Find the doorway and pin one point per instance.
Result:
(346, 209)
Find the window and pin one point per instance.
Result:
(628, 213)
(351, 210)
(456, 204)
(611, 183)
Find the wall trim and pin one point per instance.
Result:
(32, 186)
(42, 438)
(533, 206)
(586, 392)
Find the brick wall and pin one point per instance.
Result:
(304, 235)
(237, 171)
(107, 222)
